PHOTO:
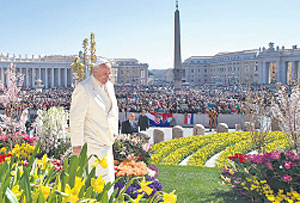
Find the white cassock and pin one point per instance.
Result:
(94, 120)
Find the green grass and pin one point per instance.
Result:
(196, 184)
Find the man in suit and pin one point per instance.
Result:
(143, 121)
(94, 117)
(130, 126)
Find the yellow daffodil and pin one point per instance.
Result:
(98, 184)
(71, 196)
(144, 187)
(16, 190)
(170, 198)
(79, 182)
(73, 193)
(43, 162)
(102, 162)
(45, 190)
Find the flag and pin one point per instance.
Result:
(188, 118)
(160, 119)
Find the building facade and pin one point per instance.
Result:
(56, 71)
(245, 67)
(130, 71)
(280, 65)
(224, 68)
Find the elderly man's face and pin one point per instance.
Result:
(131, 117)
(102, 73)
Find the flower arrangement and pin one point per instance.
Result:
(142, 182)
(201, 146)
(52, 132)
(131, 168)
(277, 141)
(272, 176)
(8, 141)
(132, 147)
(45, 180)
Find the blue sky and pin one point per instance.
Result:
(143, 29)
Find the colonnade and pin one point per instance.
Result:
(51, 77)
(279, 71)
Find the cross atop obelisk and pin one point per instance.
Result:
(178, 71)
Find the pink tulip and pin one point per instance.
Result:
(288, 165)
(287, 178)
(269, 165)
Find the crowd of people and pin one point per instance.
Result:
(199, 99)
(190, 100)
(34, 100)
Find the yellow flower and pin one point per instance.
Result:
(102, 162)
(227, 180)
(3, 150)
(296, 194)
(78, 184)
(71, 197)
(271, 198)
(15, 190)
(45, 190)
(43, 162)
(144, 187)
(98, 184)
(170, 198)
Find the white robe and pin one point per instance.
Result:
(94, 120)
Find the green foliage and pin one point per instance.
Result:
(40, 180)
(264, 177)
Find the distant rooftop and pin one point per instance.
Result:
(237, 52)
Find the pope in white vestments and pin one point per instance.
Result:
(94, 118)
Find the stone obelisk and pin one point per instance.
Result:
(177, 70)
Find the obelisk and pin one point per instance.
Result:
(177, 70)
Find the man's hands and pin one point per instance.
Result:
(77, 150)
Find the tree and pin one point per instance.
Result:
(14, 119)
(286, 110)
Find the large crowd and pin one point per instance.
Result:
(189, 100)
(34, 100)
(165, 99)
